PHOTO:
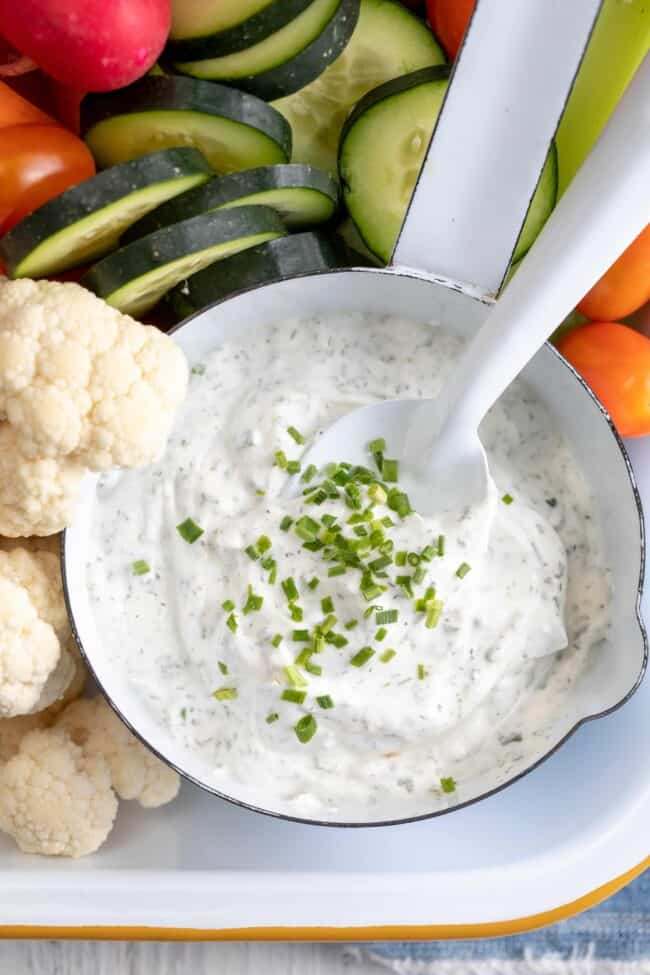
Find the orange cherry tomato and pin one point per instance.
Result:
(625, 287)
(615, 361)
(37, 162)
(449, 20)
(16, 110)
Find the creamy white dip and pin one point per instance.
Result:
(521, 589)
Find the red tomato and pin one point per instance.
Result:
(449, 20)
(38, 162)
(625, 287)
(615, 361)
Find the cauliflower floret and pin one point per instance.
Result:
(78, 379)
(135, 772)
(29, 651)
(37, 495)
(54, 799)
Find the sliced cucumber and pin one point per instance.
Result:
(301, 195)
(203, 42)
(289, 59)
(383, 144)
(306, 253)
(135, 277)
(199, 18)
(388, 41)
(233, 129)
(86, 221)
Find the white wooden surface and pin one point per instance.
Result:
(121, 958)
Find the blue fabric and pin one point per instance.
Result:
(617, 929)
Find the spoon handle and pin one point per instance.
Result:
(606, 206)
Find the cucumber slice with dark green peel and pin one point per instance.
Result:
(86, 221)
(269, 18)
(383, 145)
(233, 129)
(290, 58)
(301, 195)
(387, 42)
(201, 18)
(135, 278)
(298, 254)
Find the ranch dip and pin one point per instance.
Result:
(334, 650)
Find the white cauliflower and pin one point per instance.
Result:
(55, 799)
(135, 772)
(26, 664)
(78, 379)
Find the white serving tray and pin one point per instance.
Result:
(554, 843)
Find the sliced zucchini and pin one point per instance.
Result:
(233, 129)
(86, 221)
(306, 253)
(135, 277)
(289, 59)
(238, 34)
(383, 144)
(388, 41)
(302, 196)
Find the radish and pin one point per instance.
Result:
(96, 45)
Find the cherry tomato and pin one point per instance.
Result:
(449, 20)
(625, 287)
(37, 162)
(16, 110)
(615, 361)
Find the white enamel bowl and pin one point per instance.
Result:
(617, 666)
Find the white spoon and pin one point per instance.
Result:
(442, 461)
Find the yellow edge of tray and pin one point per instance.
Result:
(387, 932)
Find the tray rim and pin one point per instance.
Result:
(389, 932)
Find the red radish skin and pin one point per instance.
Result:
(96, 45)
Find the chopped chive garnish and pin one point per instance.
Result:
(387, 522)
(325, 701)
(300, 636)
(289, 588)
(406, 585)
(294, 676)
(328, 520)
(369, 588)
(327, 604)
(360, 531)
(381, 633)
(387, 655)
(377, 446)
(254, 602)
(309, 473)
(286, 523)
(427, 553)
(386, 616)
(294, 696)
(377, 494)
(231, 623)
(413, 559)
(399, 502)
(328, 623)
(312, 668)
(400, 558)
(306, 528)
(463, 569)
(421, 672)
(378, 564)
(303, 657)
(295, 435)
(434, 612)
(448, 784)
(281, 459)
(419, 575)
(140, 567)
(293, 467)
(362, 657)
(189, 530)
(318, 642)
(277, 640)
(350, 625)
(337, 640)
(273, 716)
(228, 605)
(313, 583)
(370, 610)
(317, 496)
(252, 552)
(337, 570)
(183, 713)
(223, 668)
(225, 694)
(296, 613)
(315, 545)
(389, 469)
(306, 728)
(263, 544)
(507, 499)
(441, 545)
(198, 369)
(260, 492)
